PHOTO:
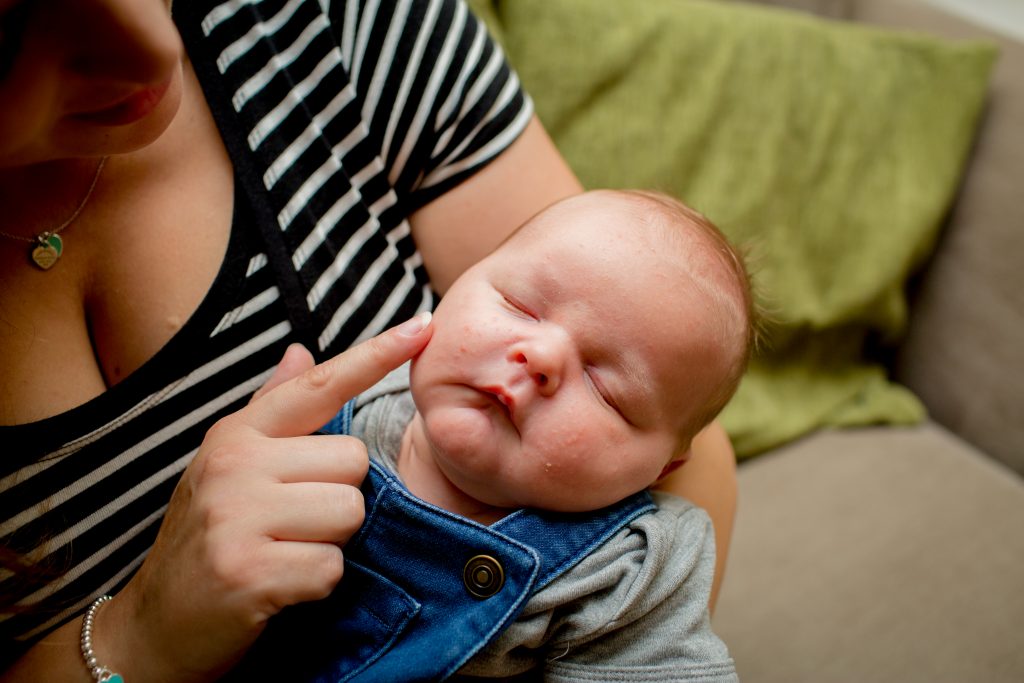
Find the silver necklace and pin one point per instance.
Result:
(48, 246)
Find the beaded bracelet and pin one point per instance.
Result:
(99, 672)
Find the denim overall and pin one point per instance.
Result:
(424, 589)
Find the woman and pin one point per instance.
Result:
(182, 201)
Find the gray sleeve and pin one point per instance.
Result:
(633, 610)
(382, 414)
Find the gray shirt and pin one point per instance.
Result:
(633, 610)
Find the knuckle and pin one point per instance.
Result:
(227, 567)
(373, 355)
(222, 514)
(355, 456)
(378, 352)
(222, 428)
(316, 378)
(331, 570)
(353, 511)
(218, 427)
(218, 462)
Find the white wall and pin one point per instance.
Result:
(1004, 16)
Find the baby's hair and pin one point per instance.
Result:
(673, 214)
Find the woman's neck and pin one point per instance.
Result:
(36, 198)
(420, 473)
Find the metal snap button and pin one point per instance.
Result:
(483, 576)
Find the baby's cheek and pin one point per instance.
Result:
(573, 453)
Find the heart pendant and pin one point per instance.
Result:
(48, 251)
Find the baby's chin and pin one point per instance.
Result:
(459, 433)
(553, 495)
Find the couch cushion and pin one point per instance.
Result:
(879, 554)
(832, 150)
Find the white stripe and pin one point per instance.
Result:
(236, 355)
(395, 299)
(469, 63)
(341, 262)
(324, 226)
(384, 203)
(469, 100)
(383, 71)
(472, 96)
(208, 370)
(300, 200)
(398, 107)
(232, 52)
(294, 98)
(256, 263)
(363, 38)
(348, 34)
(374, 167)
(493, 147)
(360, 291)
(223, 12)
(312, 184)
(337, 268)
(280, 60)
(297, 147)
(440, 69)
(253, 305)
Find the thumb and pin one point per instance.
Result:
(296, 360)
(304, 403)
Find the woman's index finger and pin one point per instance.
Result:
(307, 402)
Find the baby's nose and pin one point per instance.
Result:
(543, 363)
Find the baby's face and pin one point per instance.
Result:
(562, 367)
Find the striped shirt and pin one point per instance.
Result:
(341, 119)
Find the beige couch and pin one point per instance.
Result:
(897, 554)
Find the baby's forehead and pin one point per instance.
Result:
(588, 226)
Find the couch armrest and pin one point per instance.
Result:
(964, 352)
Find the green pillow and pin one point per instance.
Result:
(831, 151)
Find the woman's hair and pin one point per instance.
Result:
(20, 577)
(12, 23)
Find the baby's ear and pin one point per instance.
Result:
(675, 463)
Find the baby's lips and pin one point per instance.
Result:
(500, 395)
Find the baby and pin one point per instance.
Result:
(567, 372)
(574, 365)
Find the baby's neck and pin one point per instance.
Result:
(425, 480)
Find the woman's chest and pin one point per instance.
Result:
(134, 270)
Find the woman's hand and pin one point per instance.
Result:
(255, 523)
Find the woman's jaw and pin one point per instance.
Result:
(121, 122)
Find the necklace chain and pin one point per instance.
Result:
(41, 237)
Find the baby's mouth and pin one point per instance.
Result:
(501, 398)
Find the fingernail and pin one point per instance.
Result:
(416, 324)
